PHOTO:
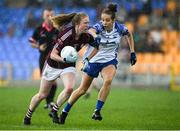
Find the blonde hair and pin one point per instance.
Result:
(78, 17)
(63, 19)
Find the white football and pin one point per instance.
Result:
(69, 53)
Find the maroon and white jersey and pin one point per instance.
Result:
(67, 38)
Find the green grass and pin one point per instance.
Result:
(124, 109)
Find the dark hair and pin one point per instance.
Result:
(111, 9)
(64, 19)
(49, 9)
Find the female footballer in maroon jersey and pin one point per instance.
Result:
(57, 67)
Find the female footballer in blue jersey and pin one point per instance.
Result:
(109, 32)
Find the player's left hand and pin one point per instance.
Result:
(85, 64)
(133, 58)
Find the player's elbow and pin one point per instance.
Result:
(69, 90)
(42, 96)
(52, 55)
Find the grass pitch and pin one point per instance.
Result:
(124, 109)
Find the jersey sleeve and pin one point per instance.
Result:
(98, 27)
(92, 42)
(122, 29)
(35, 36)
(42, 40)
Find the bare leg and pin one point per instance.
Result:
(85, 83)
(69, 82)
(108, 74)
(45, 87)
(94, 84)
(51, 95)
(81, 90)
(88, 92)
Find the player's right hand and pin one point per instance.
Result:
(69, 60)
(98, 39)
(85, 64)
(42, 47)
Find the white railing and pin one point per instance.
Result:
(143, 74)
(127, 75)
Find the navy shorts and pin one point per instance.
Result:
(93, 69)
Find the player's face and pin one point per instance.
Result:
(83, 25)
(47, 15)
(107, 21)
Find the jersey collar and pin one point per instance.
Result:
(48, 28)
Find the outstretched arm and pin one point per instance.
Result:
(92, 32)
(93, 53)
(130, 41)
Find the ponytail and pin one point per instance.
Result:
(111, 9)
(62, 19)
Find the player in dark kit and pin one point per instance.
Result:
(42, 39)
(58, 67)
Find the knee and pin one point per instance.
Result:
(108, 82)
(42, 96)
(69, 90)
(54, 85)
(82, 91)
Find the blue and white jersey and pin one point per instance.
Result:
(109, 43)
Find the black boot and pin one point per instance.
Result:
(62, 117)
(54, 115)
(27, 121)
(97, 115)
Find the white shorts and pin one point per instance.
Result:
(50, 73)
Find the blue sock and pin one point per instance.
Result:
(67, 108)
(99, 105)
